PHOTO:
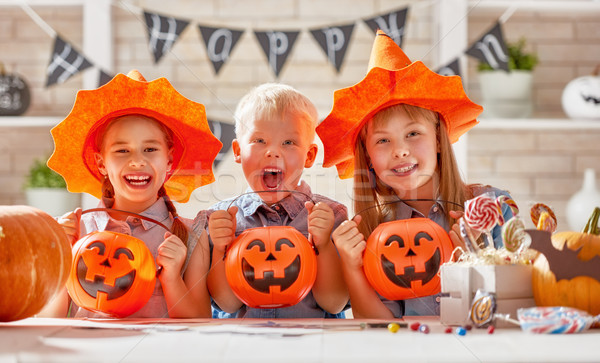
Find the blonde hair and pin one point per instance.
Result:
(371, 195)
(274, 100)
(108, 192)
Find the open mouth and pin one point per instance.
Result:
(404, 280)
(138, 180)
(405, 169)
(272, 178)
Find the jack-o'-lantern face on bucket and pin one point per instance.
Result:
(271, 267)
(403, 258)
(111, 273)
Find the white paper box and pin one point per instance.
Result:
(510, 283)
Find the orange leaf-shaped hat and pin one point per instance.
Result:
(392, 79)
(194, 150)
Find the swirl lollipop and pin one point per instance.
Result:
(514, 236)
(481, 213)
(543, 217)
(503, 199)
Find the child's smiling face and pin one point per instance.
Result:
(273, 152)
(403, 153)
(136, 158)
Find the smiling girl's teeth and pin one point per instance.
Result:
(405, 169)
(137, 179)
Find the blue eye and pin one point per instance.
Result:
(382, 141)
(288, 142)
(150, 149)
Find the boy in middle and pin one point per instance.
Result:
(275, 129)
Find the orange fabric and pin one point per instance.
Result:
(392, 79)
(195, 147)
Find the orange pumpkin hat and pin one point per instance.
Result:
(194, 150)
(392, 79)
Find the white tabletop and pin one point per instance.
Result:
(306, 340)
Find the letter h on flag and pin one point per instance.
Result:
(64, 62)
(163, 32)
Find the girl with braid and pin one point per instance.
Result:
(153, 146)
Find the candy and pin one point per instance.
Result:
(491, 329)
(448, 330)
(481, 213)
(547, 222)
(514, 236)
(393, 327)
(424, 328)
(503, 199)
(554, 320)
(461, 331)
(483, 308)
(415, 326)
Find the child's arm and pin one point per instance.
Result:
(59, 305)
(182, 302)
(329, 290)
(351, 245)
(221, 227)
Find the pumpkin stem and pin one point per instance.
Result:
(591, 226)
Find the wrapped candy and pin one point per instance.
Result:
(543, 217)
(555, 320)
(514, 236)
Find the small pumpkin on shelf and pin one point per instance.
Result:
(14, 94)
(570, 276)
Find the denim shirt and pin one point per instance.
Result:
(153, 236)
(290, 211)
(430, 305)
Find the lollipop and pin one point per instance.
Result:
(503, 199)
(554, 320)
(543, 217)
(483, 308)
(514, 236)
(481, 213)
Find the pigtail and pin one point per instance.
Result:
(179, 229)
(108, 193)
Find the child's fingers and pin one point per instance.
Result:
(309, 206)
(456, 214)
(357, 219)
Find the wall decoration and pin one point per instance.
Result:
(391, 23)
(334, 42)
(450, 69)
(163, 32)
(491, 48)
(219, 43)
(65, 62)
(276, 45)
(104, 78)
(225, 132)
(14, 94)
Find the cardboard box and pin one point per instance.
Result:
(510, 283)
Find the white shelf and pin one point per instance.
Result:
(541, 5)
(29, 121)
(545, 124)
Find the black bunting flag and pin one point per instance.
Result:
(450, 69)
(391, 23)
(103, 78)
(334, 42)
(219, 43)
(491, 49)
(277, 46)
(163, 32)
(225, 133)
(64, 62)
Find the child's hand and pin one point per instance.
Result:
(221, 227)
(456, 236)
(70, 224)
(171, 256)
(350, 242)
(320, 222)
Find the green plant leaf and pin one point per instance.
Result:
(41, 176)
(518, 59)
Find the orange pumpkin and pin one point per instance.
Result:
(112, 273)
(567, 272)
(403, 257)
(35, 255)
(271, 267)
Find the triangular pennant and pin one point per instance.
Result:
(491, 49)
(334, 42)
(64, 62)
(450, 69)
(103, 78)
(163, 32)
(219, 44)
(391, 23)
(225, 133)
(277, 45)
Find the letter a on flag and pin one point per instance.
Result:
(219, 44)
